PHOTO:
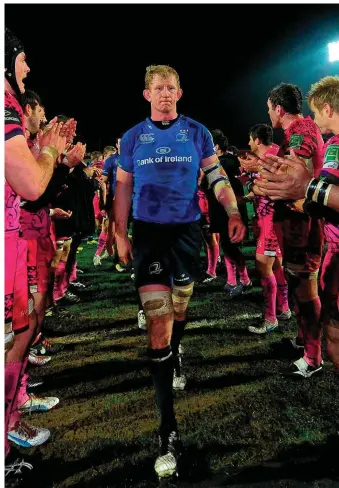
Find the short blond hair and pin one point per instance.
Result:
(324, 91)
(162, 70)
(109, 150)
(96, 155)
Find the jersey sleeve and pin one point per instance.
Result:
(126, 152)
(330, 170)
(107, 167)
(13, 124)
(207, 144)
(303, 140)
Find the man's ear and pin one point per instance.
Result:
(147, 95)
(28, 110)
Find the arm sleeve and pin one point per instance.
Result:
(13, 125)
(126, 153)
(304, 141)
(207, 144)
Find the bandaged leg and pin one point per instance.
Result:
(158, 308)
(181, 297)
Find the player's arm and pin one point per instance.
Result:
(123, 197)
(28, 176)
(121, 208)
(296, 183)
(106, 171)
(122, 201)
(333, 198)
(218, 181)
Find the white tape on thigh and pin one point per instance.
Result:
(181, 297)
(156, 303)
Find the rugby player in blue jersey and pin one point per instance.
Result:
(160, 160)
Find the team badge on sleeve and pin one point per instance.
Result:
(296, 141)
(331, 159)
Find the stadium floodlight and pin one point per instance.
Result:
(333, 51)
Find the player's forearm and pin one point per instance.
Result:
(322, 193)
(39, 176)
(121, 207)
(45, 168)
(333, 199)
(225, 196)
(220, 184)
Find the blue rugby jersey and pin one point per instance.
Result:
(165, 166)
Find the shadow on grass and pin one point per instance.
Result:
(223, 381)
(55, 328)
(303, 463)
(193, 466)
(95, 372)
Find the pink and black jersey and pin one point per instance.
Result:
(330, 173)
(304, 137)
(264, 205)
(14, 126)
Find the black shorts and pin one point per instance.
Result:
(166, 254)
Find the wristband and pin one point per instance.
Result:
(327, 194)
(322, 193)
(311, 188)
(232, 210)
(316, 191)
(51, 212)
(50, 151)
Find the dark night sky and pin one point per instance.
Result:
(89, 60)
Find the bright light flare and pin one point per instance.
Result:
(333, 51)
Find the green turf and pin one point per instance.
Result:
(241, 422)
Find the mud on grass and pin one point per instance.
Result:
(242, 423)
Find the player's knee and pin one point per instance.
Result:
(39, 302)
(264, 265)
(181, 296)
(307, 290)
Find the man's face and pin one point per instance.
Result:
(37, 115)
(252, 145)
(163, 94)
(118, 145)
(21, 71)
(274, 114)
(322, 118)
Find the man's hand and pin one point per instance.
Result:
(76, 154)
(124, 249)
(97, 173)
(69, 130)
(250, 164)
(236, 228)
(258, 191)
(283, 178)
(59, 214)
(53, 135)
